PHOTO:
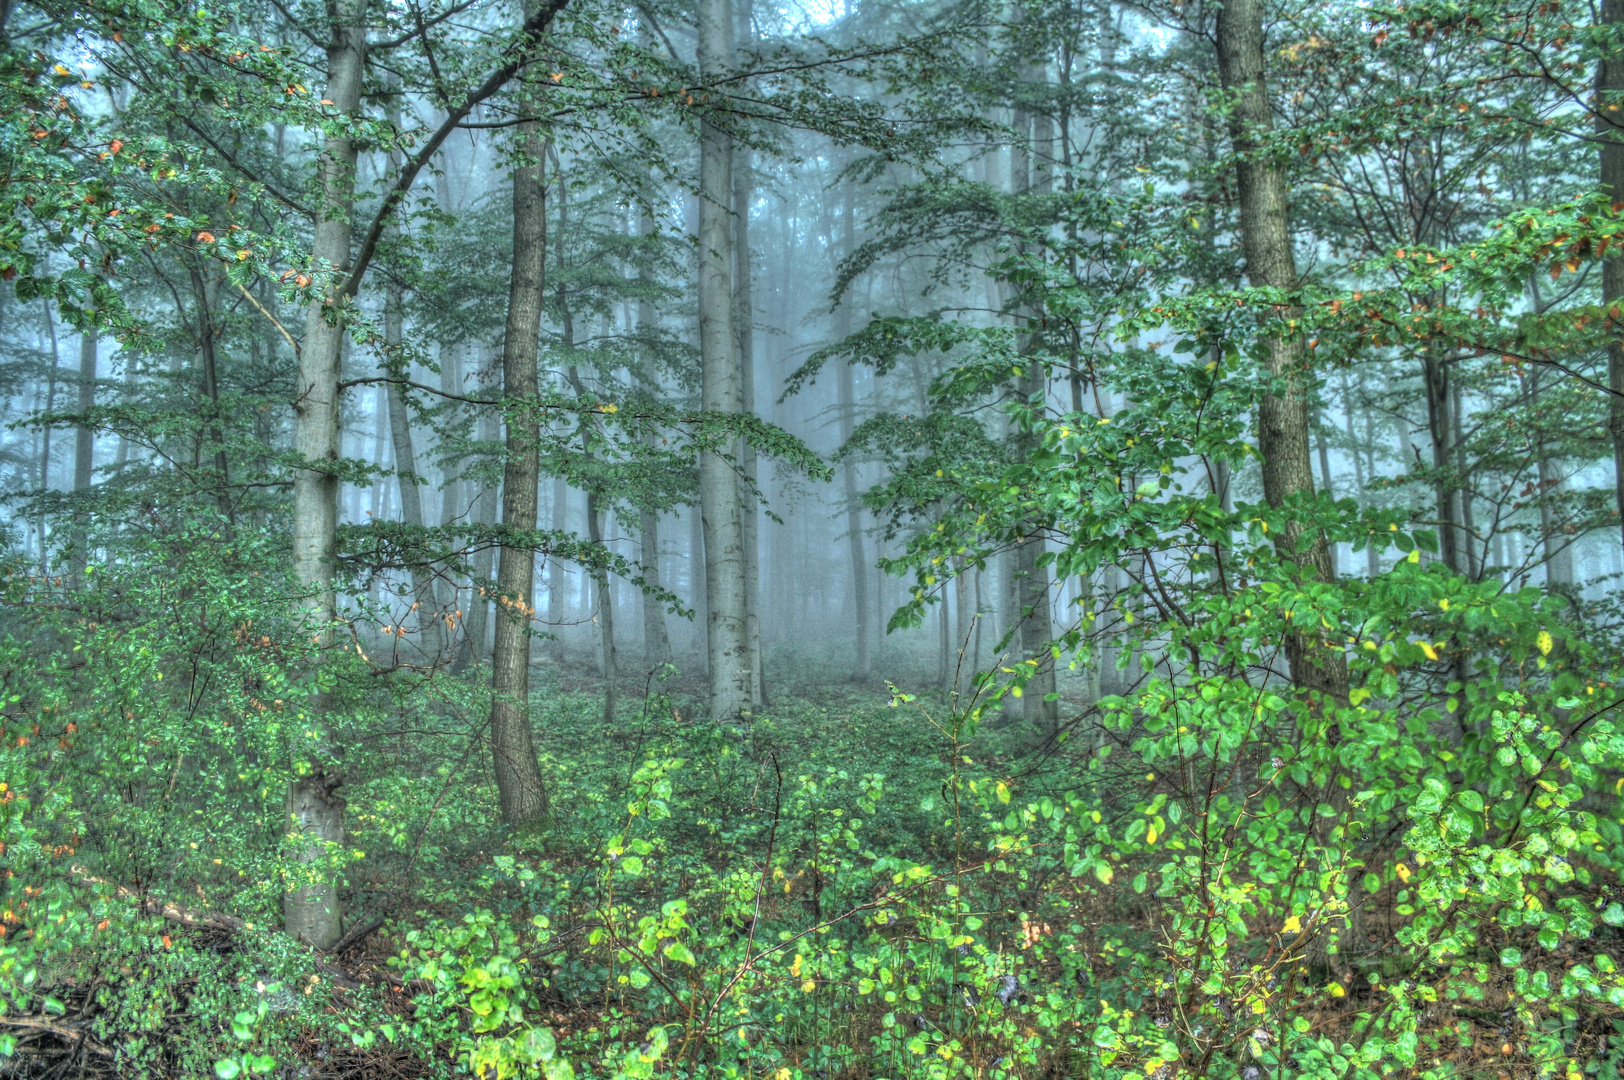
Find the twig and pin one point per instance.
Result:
(293, 344)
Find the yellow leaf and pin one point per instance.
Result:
(1293, 925)
(795, 968)
(1150, 835)
(1426, 647)
(1545, 643)
(808, 986)
(1337, 991)
(1415, 555)
(1403, 872)
(1443, 605)
(1003, 792)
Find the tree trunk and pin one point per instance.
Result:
(744, 318)
(45, 433)
(1319, 667)
(555, 571)
(696, 585)
(84, 447)
(1435, 377)
(521, 793)
(656, 637)
(430, 630)
(315, 813)
(1030, 174)
(206, 298)
(476, 649)
(451, 510)
(1324, 452)
(1283, 427)
(846, 401)
(431, 638)
(1610, 125)
(605, 615)
(84, 441)
(729, 645)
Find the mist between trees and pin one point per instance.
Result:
(921, 538)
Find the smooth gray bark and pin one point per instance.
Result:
(315, 813)
(731, 676)
(1610, 127)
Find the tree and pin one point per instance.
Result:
(729, 660)
(518, 775)
(316, 813)
(1283, 412)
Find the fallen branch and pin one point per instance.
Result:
(163, 908)
(34, 1023)
(356, 933)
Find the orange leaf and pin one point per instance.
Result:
(205, 238)
(116, 145)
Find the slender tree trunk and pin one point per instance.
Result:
(486, 506)
(555, 572)
(605, 615)
(451, 493)
(1031, 174)
(1435, 377)
(522, 795)
(84, 448)
(656, 637)
(311, 912)
(205, 298)
(431, 637)
(45, 433)
(1324, 451)
(696, 585)
(1283, 415)
(1610, 125)
(846, 401)
(744, 319)
(1319, 667)
(84, 440)
(729, 646)
(430, 629)
(964, 661)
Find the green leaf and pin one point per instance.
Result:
(228, 1068)
(680, 953)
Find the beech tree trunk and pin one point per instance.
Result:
(727, 617)
(84, 446)
(608, 662)
(521, 793)
(206, 299)
(1283, 415)
(486, 506)
(431, 635)
(656, 636)
(430, 630)
(744, 319)
(1610, 126)
(315, 813)
(1030, 174)
(846, 404)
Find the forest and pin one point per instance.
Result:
(812, 540)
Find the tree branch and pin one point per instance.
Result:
(518, 54)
